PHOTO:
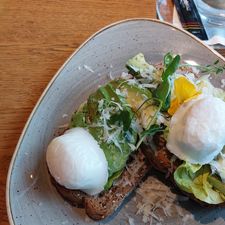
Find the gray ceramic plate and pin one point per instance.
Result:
(31, 199)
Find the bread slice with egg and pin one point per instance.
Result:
(162, 160)
(104, 204)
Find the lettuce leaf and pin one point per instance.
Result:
(137, 65)
(194, 179)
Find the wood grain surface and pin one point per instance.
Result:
(36, 37)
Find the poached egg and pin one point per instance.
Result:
(197, 130)
(76, 161)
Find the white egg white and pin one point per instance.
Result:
(197, 130)
(76, 161)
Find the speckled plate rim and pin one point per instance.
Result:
(9, 212)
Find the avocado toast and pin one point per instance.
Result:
(99, 160)
(116, 117)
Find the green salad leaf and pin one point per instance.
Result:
(138, 65)
(196, 179)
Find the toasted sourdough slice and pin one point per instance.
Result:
(103, 205)
(159, 156)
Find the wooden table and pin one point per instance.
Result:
(36, 37)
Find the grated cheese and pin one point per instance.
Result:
(157, 203)
(110, 76)
(64, 115)
(119, 105)
(131, 220)
(126, 76)
(121, 93)
(88, 68)
(113, 138)
(149, 85)
(222, 83)
(186, 218)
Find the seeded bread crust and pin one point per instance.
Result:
(103, 205)
(74, 197)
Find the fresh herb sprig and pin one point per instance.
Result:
(171, 63)
(151, 126)
(124, 118)
(155, 128)
(214, 68)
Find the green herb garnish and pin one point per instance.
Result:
(155, 128)
(214, 68)
(150, 123)
(163, 91)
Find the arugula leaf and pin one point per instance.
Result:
(171, 68)
(155, 128)
(164, 89)
(123, 117)
(162, 93)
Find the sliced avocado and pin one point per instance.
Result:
(92, 106)
(117, 152)
(78, 118)
(106, 92)
(136, 98)
(138, 65)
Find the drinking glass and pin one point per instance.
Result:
(213, 11)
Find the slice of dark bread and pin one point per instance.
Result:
(74, 197)
(159, 156)
(103, 205)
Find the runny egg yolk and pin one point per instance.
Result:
(184, 90)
